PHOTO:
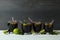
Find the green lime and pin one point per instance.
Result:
(5, 31)
(17, 31)
(25, 24)
(42, 31)
(54, 33)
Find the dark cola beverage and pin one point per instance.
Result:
(26, 28)
(37, 26)
(48, 27)
(12, 26)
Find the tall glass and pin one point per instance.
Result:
(26, 28)
(48, 27)
(12, 26)
(37, 26)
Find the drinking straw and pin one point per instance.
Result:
(13, 19)
(30, 19)
(52, 22)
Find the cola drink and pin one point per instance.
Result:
(37, 26)
(12, 26)
(26, 28)
(48, 27)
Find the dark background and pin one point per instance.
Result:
(36, 9)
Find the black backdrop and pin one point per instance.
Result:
(36, 9)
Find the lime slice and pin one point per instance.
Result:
(42, 31)
(25, 24)
(5, 31)
(54, 33)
